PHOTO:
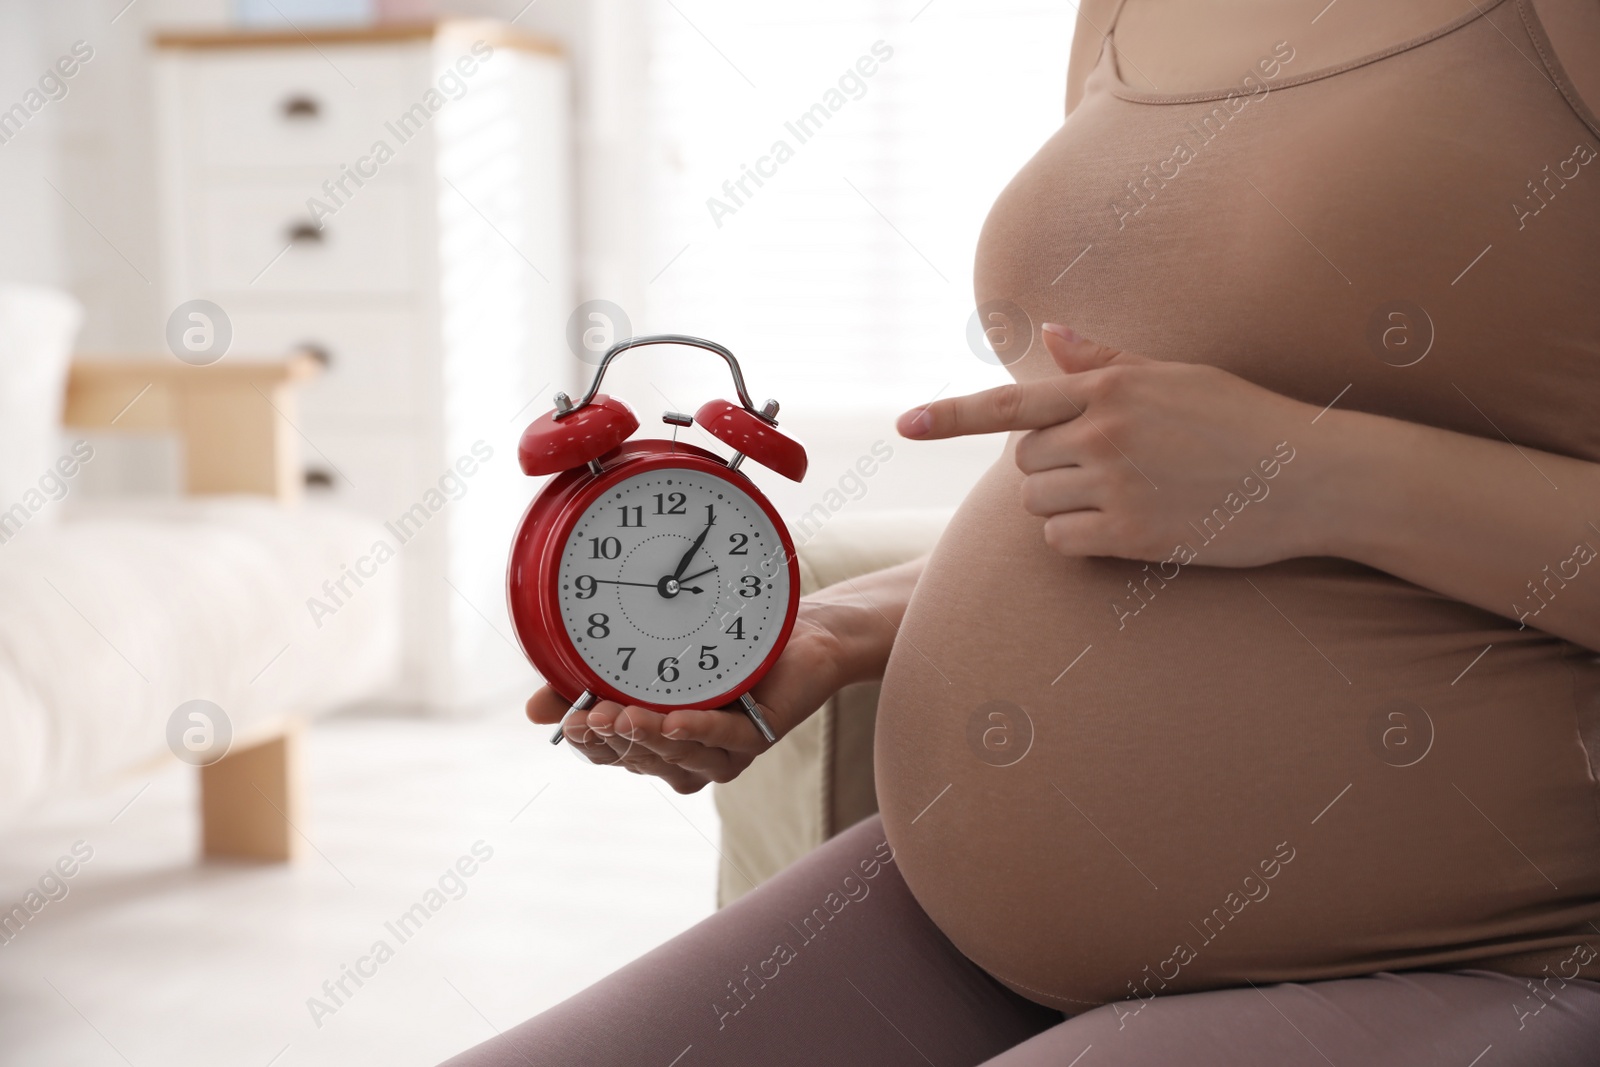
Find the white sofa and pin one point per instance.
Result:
(114, 614)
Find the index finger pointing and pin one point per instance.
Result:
(1021, 406)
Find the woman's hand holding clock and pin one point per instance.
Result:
(690, 748)
(841, 635)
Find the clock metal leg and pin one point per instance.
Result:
(759, 719)
(584, 702)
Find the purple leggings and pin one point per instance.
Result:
(777, 978)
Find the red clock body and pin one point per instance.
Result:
(657, 575)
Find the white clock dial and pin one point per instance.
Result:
(673, 586)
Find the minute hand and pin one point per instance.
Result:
(683, 564)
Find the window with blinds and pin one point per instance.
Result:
(818, 177)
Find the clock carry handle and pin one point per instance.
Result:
(607, 421)
(565, 407)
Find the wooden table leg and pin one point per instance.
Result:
(251, 800)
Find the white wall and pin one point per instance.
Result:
(94, 233)
(31, 249)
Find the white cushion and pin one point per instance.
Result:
(37, 327)
(123, 612)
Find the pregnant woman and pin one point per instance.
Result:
(1284, 595)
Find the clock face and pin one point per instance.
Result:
(673, 586)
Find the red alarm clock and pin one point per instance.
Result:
(653, 572)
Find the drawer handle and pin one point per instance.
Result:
(305, 233)
(317, 352)
(301, 107)
(318, 479)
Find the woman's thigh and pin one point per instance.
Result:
(1411, 1019)
(830, 962)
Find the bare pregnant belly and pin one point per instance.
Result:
(1271, 774)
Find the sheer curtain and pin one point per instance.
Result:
(818, 175)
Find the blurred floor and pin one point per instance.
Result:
(154, 959)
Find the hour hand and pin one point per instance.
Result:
(683, 564)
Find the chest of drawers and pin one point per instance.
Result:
(397, 201)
